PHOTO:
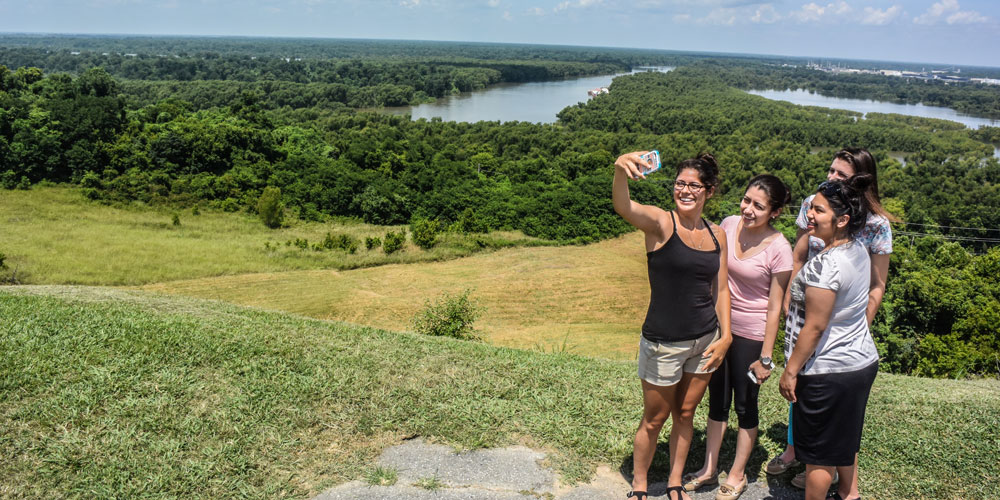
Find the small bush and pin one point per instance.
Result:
(393, 242)
(372, 242)
(270, 208)
(341, 242)
(425, 232)
(469, 222)
(450, 316)
(176, 220)
(195, 210)
(3, 265)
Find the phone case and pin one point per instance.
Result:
(653, 160)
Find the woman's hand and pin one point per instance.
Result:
(786, 385)
(716, 352)
(632, 165)
(760, 371)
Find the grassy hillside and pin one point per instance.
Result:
(107, 393)
(52, 235)
(588, 300)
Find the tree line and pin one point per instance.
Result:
(550, 181)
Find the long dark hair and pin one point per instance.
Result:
(849, 197)
(864, 163)
(707, 167)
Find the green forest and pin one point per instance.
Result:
(214, 125)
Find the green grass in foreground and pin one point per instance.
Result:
(53, 235)
(110, 393)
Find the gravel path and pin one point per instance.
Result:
(501, 474)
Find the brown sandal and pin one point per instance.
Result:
(691, 481)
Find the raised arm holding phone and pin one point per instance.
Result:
(686, 333)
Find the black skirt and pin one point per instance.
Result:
(829, 415)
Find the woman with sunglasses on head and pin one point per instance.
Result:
(876, 236)
(831, 356)
(759, 265)
(686, 332)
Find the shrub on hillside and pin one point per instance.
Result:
(393, 241)
(340, 241)
(469, 222)
(425, 232)
(372, 242)
(270, 208)
(450, 316)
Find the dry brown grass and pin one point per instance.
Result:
(588, 300)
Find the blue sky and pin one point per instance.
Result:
(933, 31)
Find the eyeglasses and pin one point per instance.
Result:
(693, 186)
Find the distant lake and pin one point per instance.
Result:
(536, 102)
(804, 97)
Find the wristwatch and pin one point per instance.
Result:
(767, 362)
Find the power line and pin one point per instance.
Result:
(789, 215)
(947, 227)
(948, 237)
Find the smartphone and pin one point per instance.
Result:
(752, 376)
(652, 161)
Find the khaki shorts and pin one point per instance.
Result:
(664, 364)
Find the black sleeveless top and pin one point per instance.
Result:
(680, 285)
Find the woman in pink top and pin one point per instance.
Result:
(760, 264)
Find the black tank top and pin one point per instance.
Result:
(680, 290)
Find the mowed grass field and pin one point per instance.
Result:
(53, 235)
(588, 300)
(109, 393)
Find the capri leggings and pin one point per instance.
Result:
(730, 385)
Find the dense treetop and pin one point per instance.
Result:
(223, 141)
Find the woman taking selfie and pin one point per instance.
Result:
(831, 356)
(686, 332)
(759, 265)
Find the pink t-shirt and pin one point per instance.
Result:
(750, 281)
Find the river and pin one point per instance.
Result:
(539, 102)
(804, 97)
(536, 102)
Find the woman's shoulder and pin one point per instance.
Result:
(780, 244)
(730, 223)
(876, 221)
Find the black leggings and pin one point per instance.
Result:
(731, 386)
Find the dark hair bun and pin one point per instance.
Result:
(860, 182)
(709, 160)
(707, 167)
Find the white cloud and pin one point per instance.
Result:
(493, 3)
(410, 3)
(576, 4)
(950, 12)
(765, 14)
(682, 18)
(725, 16)
(811, 12)
(935, 12)
(966, 17)
(537, 11)
(879, 17)
(730, 16)
(507, 16)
